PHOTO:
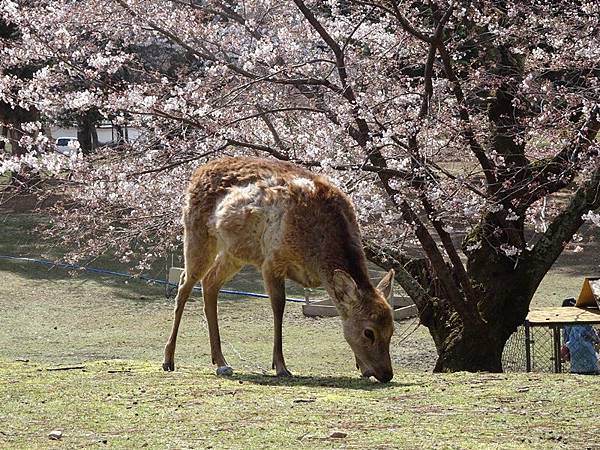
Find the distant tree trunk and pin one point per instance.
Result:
(3, 136)
(120, 134)
(12, 120)
(87, 135)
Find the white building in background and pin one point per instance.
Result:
(65, 138)
(107, 134)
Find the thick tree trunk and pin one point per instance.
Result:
(506, 291)
(472, 350)
(479, 348)
(464, 347)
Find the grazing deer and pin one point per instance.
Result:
(289, 223)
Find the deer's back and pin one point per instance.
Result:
(262, 210)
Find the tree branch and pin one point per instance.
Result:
(439, 265)
(558, 172)
(438, 224)
(263, 148)
(272, 129)
(205, 55)
(467, 131)
(273, 111)
(175, 164)
(362, 134)
(457, 264)
(551, 244)
(395, 12)
(409, 283)
(407, 26)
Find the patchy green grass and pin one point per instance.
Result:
(133, 404)
(110, 332)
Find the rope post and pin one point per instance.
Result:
(527, 347)
(556, 339)
(167, 276)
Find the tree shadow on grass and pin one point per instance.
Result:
(126, 288)
(341, 382)
(584, 261)
(580, 264)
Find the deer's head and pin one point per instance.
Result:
(368, 323)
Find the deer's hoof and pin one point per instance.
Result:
(169, 366)
(284, 373)
(225, 371)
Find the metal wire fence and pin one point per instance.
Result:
(514, 355)
(556, 348)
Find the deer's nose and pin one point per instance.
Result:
(385, 376)
(367, 374)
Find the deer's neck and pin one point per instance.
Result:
(345, 253)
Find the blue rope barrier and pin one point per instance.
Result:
(66, 266)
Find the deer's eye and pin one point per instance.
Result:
(369, 334)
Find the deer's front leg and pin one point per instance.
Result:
(276, 289)
(183, 292)
(210, 311)
(223, 269)
(199, 252)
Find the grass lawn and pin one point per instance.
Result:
(133, 404)
(108, 334)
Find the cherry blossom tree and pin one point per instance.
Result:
(464, 131)
(13, 115)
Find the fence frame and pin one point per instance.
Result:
(555, 319)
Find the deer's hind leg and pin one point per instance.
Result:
(223, 269)
(199, 252)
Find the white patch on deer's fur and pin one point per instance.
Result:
(235, 203)
(304, 184)
(248, 220)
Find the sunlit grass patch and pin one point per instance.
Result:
(133, 404)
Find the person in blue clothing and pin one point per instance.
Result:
(582, 341)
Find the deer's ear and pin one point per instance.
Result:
(386, 285)
(346, 292)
